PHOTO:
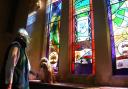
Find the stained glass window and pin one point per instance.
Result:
(118, 22)
(53, 28)
(83, 45)
(30, 21)
(54, 10)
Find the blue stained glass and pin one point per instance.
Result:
(54, 11)
(31, 18)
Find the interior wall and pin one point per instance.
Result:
(21, 15)
(13, 16)
(6, 9)
(35, 50)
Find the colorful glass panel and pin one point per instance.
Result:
(54, 33)
(118, 21)
(56, 11)
(83, 40)
(54, 44)
(81, 6)
(53, 13)
(82, 27)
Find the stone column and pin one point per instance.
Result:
(102, 43)
(64, 42)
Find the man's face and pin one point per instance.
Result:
(26, 39)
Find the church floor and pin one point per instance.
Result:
(39, 85)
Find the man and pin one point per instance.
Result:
(16, 65)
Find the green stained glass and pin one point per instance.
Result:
(81, 6)
(119, 14)
(115, 7)
(54, 33)
(81, 3)
(117, 21)
(55, 18)
(82, 15)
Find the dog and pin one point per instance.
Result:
(46, 72)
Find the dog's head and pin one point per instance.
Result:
(44, 63)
